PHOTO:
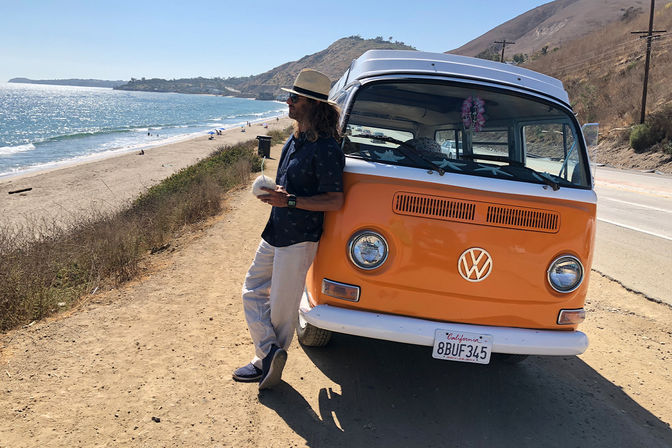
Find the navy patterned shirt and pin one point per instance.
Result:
(305, 169)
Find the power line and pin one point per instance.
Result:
(615, 50)
(665, 42)
(592, 60)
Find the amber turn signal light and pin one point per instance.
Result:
(571, 317)
(340, 290)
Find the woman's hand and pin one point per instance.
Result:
(276, 198)
(319, 203)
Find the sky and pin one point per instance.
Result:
(117, 40)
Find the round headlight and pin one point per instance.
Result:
(367, 249)
(565, 273)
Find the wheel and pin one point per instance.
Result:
(310, 335)
(508, 358)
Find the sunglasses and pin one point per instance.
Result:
(293, 97)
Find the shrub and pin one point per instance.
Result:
(45, 267)
(278, 137)
(667, 149)
(641, 137)
(661, 123)
(658, 128)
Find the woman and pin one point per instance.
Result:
(309, 182)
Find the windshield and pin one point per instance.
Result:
(466, 129)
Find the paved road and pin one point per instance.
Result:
(634, 231)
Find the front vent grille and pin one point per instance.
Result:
(475, 212)
(433, 207)
(523, 218)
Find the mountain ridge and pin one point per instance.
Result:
(332, 61)
(551, 25)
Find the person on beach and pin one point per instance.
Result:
(309, 182)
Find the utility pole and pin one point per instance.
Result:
(649, 37)
(503, 42)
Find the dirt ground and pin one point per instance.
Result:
(149, 364)
(618, 154)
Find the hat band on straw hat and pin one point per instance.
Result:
(321, 96)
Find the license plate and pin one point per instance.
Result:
(462, 346)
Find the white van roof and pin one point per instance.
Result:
(385, 62)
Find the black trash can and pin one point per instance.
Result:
(264, 149)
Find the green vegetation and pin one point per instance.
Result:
(519, 58)
(490, 54)
(655, 133)
(47, 268)
(641, 137)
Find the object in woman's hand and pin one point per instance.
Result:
(262, 181)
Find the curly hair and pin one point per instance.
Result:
(322, 121)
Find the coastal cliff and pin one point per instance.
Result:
(332, 61)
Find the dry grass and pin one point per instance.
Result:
(45, 268)
(603, 72)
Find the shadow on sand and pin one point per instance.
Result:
(397, 395)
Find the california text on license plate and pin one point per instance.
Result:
(461, 346)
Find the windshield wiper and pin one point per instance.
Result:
(542, 176)
(401, 144)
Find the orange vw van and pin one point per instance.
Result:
(469, 213)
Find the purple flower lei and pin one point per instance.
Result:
(473, 109)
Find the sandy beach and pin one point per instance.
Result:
(64, 194)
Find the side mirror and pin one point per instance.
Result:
(590, 135)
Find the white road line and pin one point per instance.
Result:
(635, 204)
(635, 229)
(633, 189)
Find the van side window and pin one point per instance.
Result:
(450, 141)
(551, 147)
(491, 143)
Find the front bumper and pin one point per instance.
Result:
(410, 330)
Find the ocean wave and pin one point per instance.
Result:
(147, 129)
(7, 150)
(86, 134)
(270, 113)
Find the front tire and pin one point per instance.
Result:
(310, 335)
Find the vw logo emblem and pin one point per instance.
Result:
(475, 264)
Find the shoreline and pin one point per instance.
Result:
(66, 193)
(93, 157)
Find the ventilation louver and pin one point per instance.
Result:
(522, 218)
(497, 215)
(433, 207)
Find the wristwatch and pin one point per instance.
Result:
(291, 201)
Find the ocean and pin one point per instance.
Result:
(43, 126)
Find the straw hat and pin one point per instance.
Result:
(312, 84)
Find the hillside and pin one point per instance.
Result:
(332, 61)
(551, 25)
(603, 73)
(589, 46)
(69, 82)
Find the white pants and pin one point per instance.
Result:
(271, 294)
